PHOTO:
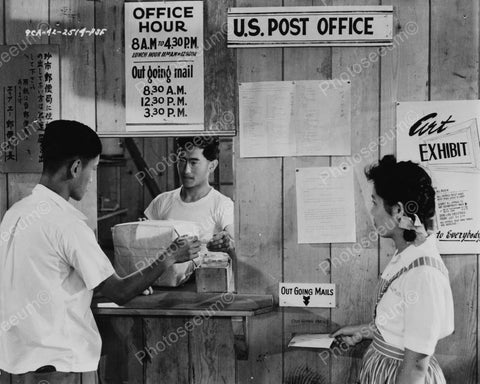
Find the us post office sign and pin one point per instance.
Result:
(310, 26)
(307, 295)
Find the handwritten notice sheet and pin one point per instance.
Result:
(29, 99)
(294, 118)
(325, 205)
(443, 137)
(312, 340)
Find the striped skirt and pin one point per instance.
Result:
(381, 364)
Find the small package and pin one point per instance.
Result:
(138, 244)
(214, 273)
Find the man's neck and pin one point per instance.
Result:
(53, 184)
(190, 195)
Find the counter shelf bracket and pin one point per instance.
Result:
(240, 336)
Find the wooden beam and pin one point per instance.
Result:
(142, 166)
(304, 263)
(356, 273)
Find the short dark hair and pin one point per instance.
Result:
(408, 183)
(65, 140)
(209, 145)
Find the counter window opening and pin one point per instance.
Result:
(166, 179)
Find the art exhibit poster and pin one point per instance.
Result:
(444, 139)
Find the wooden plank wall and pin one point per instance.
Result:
(77, 79)
(428, 61)
(301, 64)
(454, 75)
(18, 17)
(259, 226)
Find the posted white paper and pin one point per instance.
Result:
(311, 340)
(325, 205)
(301, 118)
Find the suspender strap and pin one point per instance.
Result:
(421, 261)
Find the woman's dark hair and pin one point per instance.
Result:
(209, 144)
(66, 140)
(404, 182)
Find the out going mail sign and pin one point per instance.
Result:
(306, 295)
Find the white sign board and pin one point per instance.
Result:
(164, 66)
(306, 295)
(443, 137)
(310, 26)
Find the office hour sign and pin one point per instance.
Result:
(164, 66)
(310, 26)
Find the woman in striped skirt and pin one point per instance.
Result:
(414, 307)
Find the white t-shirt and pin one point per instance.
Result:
(417, 309)
(50, 262)
(212, 213)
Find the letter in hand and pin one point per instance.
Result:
(220, 242)
(184, 248)
(350, 335)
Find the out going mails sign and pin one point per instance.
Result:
(310, 26)
(306, 295)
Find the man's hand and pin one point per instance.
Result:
(220, 242)
(184, 248)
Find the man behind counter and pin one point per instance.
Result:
(51, 263)
(196, 200)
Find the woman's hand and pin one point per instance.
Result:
(353, 334)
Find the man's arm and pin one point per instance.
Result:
(122, 289)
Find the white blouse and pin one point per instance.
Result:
(417, 309)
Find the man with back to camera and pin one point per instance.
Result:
(196, 200)
(50, 264)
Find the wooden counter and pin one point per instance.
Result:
(176, 336)
(172, 303)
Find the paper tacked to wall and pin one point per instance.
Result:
(29, 99)
(294, 118)
(325, 205)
